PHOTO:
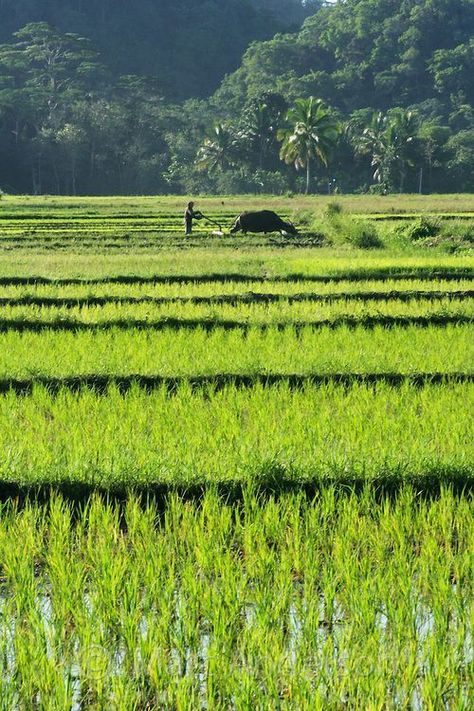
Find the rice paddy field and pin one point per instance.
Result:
(236, 472)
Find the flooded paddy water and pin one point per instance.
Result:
(287, 601)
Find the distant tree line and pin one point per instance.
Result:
(369, 95)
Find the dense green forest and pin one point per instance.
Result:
(236, 96)
(187, 44)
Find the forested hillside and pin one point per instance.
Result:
(187, 44)
(368, 53)
(132, 97)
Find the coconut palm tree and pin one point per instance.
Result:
(312, 135)
(217, 153)
(402, 131)
(389, 139)
(373, 141)
(258, 128)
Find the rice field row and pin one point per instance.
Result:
(62, 325)
(64, 302)
(393, 274)
(33, 215)
(155, 245)
(86, 293)
(258, 312)
(103, 383)
(337, 602)
(198, 352)
(230, 265)
(235, 435)
(96, 229)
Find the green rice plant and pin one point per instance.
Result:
(363, 234)
(334, 208)
(274, 602)
(261, 262)
(230, 436)
(189, 291)
(231, 315)
(193, 353)
(342, 228)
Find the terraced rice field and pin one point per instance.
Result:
(233, 476)
(142, 224)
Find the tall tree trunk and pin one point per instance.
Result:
(92, 160)
(73, 175)
(56, 178)
(308, 174)
(40, 177)
(402, 178)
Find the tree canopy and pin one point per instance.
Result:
(188, 44)
(368, 53)
(311, 135)
(148, 96)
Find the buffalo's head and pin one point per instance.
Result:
(290, 228)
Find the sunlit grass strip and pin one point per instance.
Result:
(190, 353)
(284, 603)
(392, 273)
(208, 324)
(183, 266)
(210, 290)
(233, 435)
(257, 311)
(234, 299)
(107, 205)
(416, 215)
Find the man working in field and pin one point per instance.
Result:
(189, 215)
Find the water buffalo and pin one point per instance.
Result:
(262, 221)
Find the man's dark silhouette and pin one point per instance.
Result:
(189, 215)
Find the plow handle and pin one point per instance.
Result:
(213, 222)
